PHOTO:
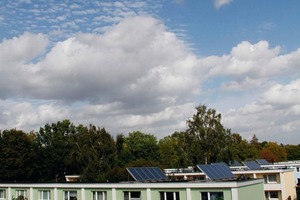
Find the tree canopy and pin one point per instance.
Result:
(62, 148)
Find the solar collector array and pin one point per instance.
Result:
(146, 173)
(252, 165)
(216, 171)
(262, 162)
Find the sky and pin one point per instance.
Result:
(133, 65)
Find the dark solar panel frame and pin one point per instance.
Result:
(252, 165)
(262, 162)
(146, 173)
(217, 171)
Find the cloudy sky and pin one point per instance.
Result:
(132, 65)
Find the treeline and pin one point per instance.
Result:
(61, 148)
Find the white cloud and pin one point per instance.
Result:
(220, 3)
(272, 117)
(285, 95)
(249, 65)
(136, 74)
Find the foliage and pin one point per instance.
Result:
(210, 141)
(93, 153)
(55, 143)
(171, 152)
(61, 148)
(279, 152)
(139, 145)
(17, 156)
(241, 149)
(268, 155)
(293, 152)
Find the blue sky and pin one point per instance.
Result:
(145, 65)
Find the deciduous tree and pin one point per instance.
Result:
(210, 140)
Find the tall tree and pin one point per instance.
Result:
(93, 153)
(55, 143)
(17, 158)
(210, 140)
(122, 155)
(170, 152)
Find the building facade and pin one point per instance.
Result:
(193, 190)
(279, 180)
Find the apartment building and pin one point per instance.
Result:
(191, 190)
(280, 180)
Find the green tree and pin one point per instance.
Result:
(174, 149)
(256, 145)
(139, 145)
(17, 158)
(122, 155)
(55, 144)
(241, 149)
(293, 152)
(93, 153)
(210, 140)
(168, 150)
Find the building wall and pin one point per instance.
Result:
(289, 185)
(256, 192)
(232, 190)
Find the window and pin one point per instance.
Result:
(70, 195)
(212, 196)
(21, 194)
(2, 194)
(44, 195)
(169, 196)
(272, 195)
(271, 178)
(132, 195)
(99, 195)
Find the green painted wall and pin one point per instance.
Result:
(252, 192)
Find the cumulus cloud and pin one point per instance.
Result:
(137, 75)
(137, 70)
(285, 95)
(249, 65)
(274, 116)
(117, 66)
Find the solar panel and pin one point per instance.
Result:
(262, 162)
(216, 171)
(146, 173)
(236, 163)
(253, 165)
